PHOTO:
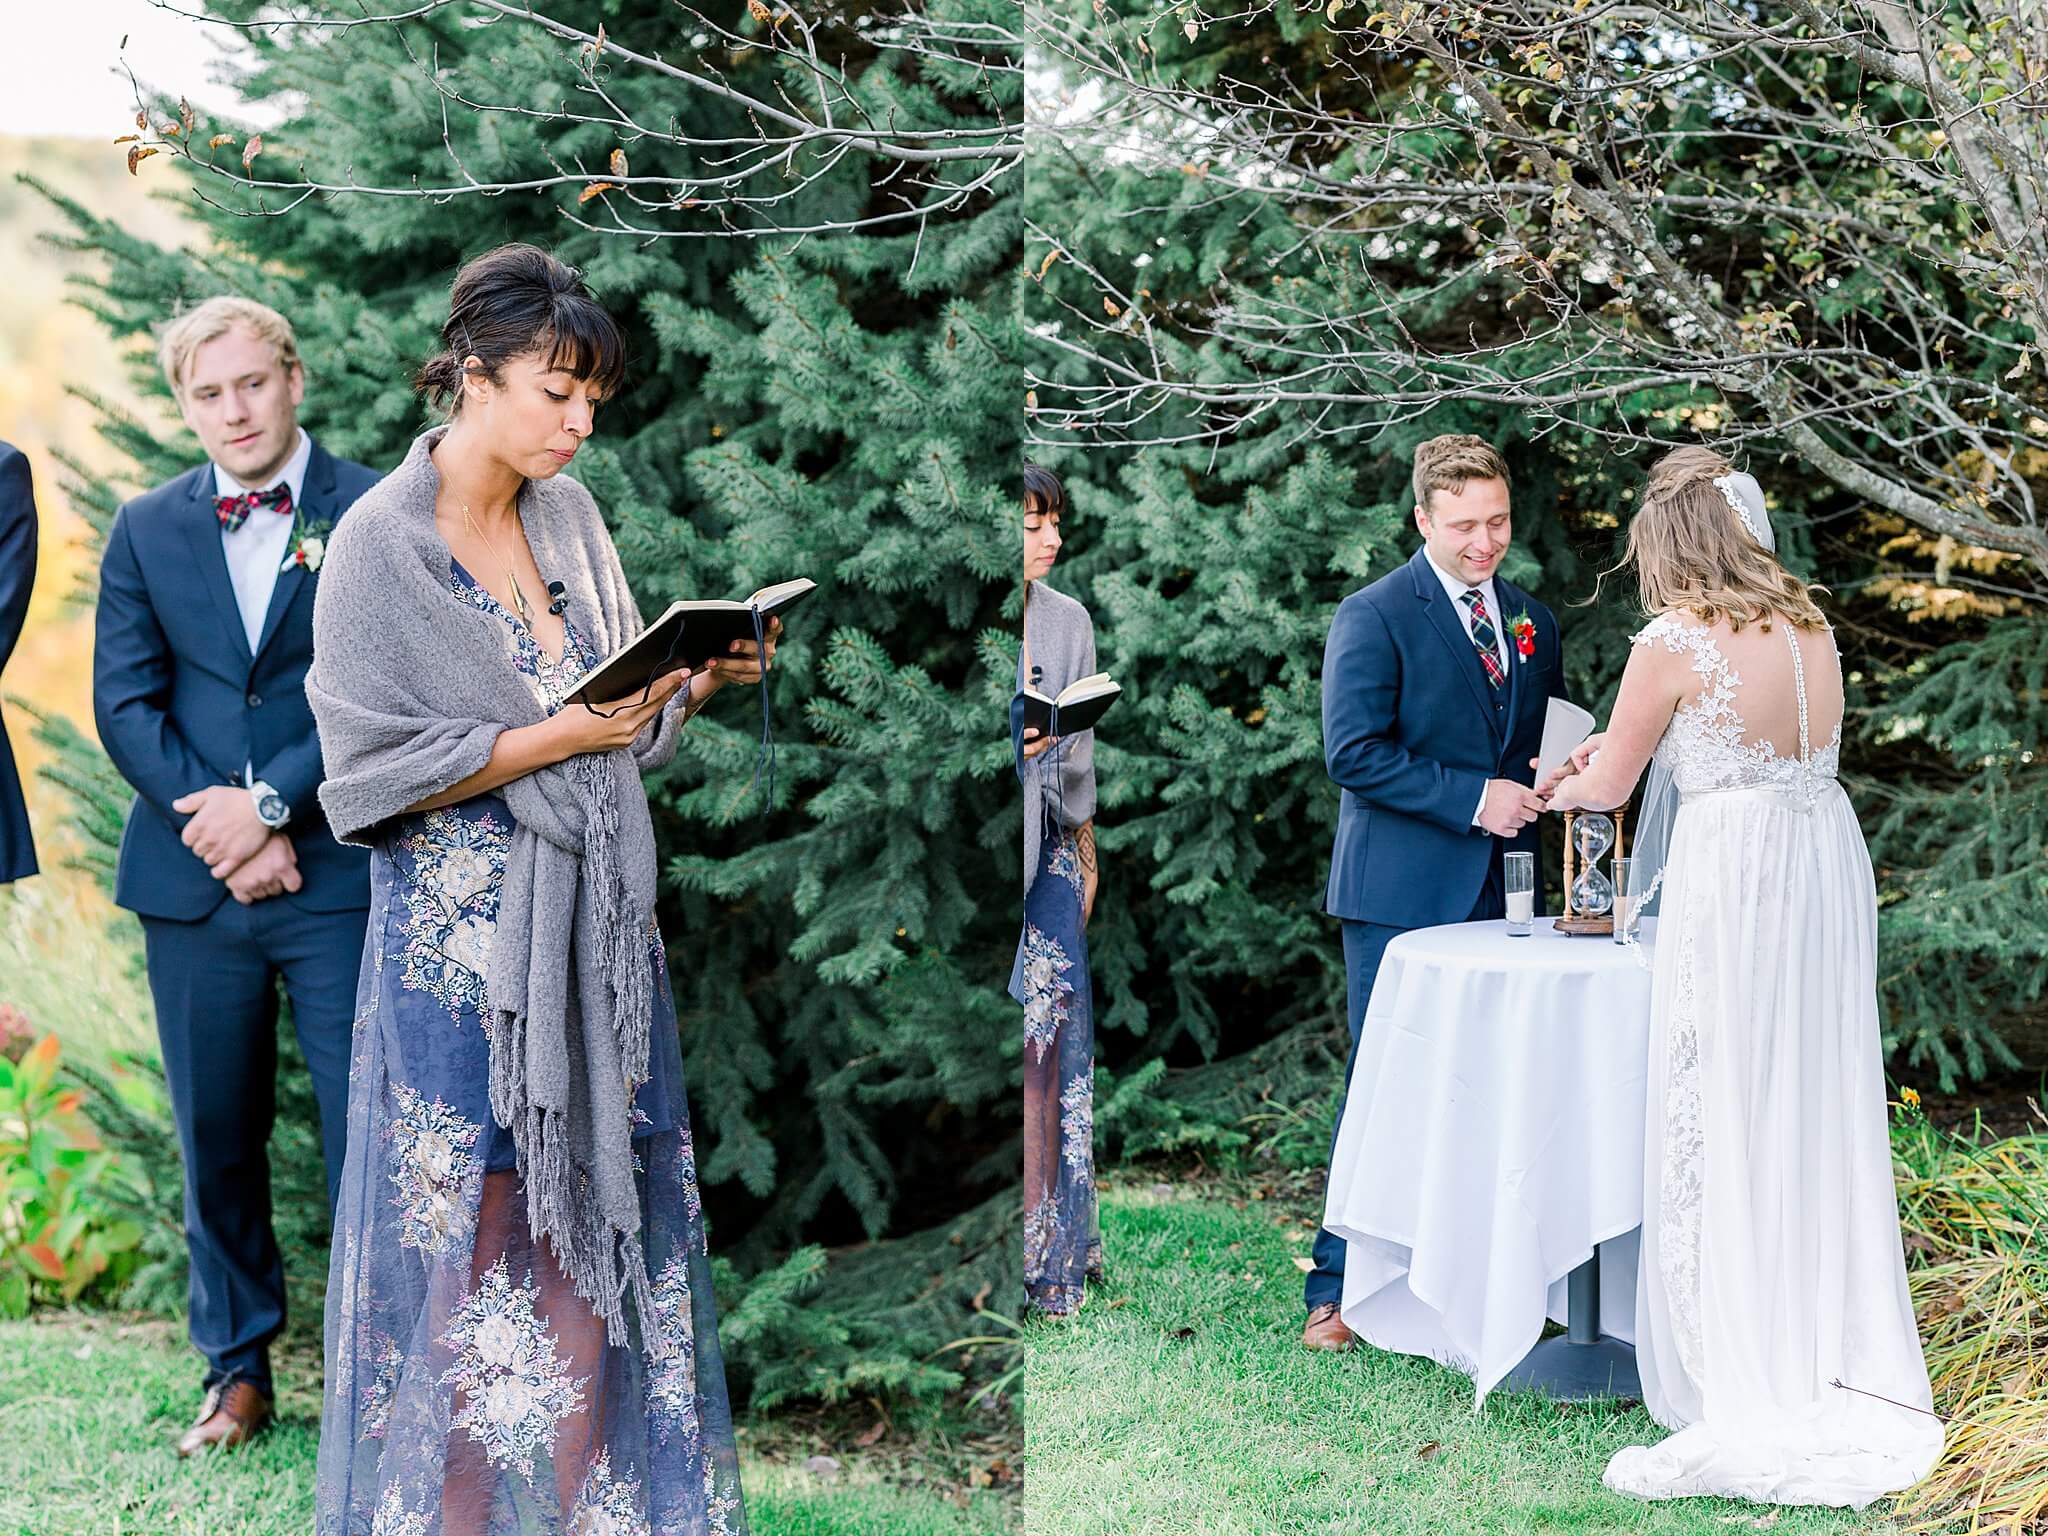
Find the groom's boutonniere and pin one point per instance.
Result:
(1523, 628)
(308, 546)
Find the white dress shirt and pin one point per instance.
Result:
(1455, 589)
(256, 549)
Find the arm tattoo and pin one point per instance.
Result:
(1084, 838)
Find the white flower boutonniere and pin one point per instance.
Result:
(308, 546)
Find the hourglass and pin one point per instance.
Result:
(1588, 892)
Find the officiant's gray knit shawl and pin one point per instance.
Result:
(1061, 642)
(410, 687)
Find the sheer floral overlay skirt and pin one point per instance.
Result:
(1772, 1313)
(1062, 1246)
(469, 1390)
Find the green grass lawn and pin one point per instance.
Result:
(1180, 1400)
(89, 1408)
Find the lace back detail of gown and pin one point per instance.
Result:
(1707, 745)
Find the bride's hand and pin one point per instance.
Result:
(1564, 790)
(1577, 763)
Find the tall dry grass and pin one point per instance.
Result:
(1975, 1216)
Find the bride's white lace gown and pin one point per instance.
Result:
(1771, 1258)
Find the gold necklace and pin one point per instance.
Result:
(518, 593)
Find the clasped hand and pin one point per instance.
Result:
(1558, 790)
(227, 835)
(1510, 806)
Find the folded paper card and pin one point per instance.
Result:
(1565, 726)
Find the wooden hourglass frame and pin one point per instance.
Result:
(1580, 923)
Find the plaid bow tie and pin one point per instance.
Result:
(234, 511)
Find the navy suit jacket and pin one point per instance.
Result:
(181, 704)
(1411, 735)
(17, 578)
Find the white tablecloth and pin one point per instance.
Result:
(1493, 1135)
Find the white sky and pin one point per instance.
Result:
(64, 64)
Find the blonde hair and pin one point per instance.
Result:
(214, 319)
(1690, 551)
(1446, 463)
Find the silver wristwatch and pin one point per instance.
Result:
(271, 809)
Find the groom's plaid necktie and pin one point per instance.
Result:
(1484, 640)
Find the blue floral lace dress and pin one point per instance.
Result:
(1062, 1241)
(470, 1391)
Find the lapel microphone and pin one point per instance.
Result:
(560, 595)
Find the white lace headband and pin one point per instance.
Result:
(1745, 499)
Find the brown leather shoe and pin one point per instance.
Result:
(232, 1412)
(1325, 1329)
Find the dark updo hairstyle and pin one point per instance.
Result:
(515, 300)
(1043, 486)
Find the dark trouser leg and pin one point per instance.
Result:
(1364, 944)
(320, 955)
(216, 1019)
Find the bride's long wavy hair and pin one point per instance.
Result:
(1690, 551)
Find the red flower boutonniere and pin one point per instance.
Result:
(1523, 628)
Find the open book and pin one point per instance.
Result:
(688, 634)
(1076, 708)
(1565, 726)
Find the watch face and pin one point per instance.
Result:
(271, 809)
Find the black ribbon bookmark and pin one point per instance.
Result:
(766, 754)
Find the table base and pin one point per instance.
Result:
(1581, 1364)
(1570, 1372)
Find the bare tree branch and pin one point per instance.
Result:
(1813, 224)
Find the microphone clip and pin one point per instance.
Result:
(560, 595)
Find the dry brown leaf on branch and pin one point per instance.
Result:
(1109, 307)
(1045, 266)
(758, 11)
(128, 138)
(598, 48)
(594, 189)
(251, 150)
(142, 120)
(219, 139)
(137, 153)
(618, 162)
(185, 115)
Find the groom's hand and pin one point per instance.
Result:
(225, 832)
(1509, 807)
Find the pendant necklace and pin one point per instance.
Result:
(518, 593)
